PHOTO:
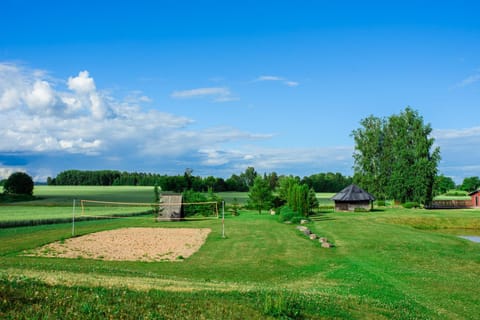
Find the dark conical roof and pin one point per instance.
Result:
(353, 193)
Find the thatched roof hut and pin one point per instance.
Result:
(351, 198)
(170, 207)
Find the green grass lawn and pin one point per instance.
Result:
(391, 264)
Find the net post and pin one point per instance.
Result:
(73, 219)
(223, 219)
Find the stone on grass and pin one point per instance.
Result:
(322, 240)
(302, 228)
(303, 221)
(307, 232)
(313, 236)
(327, 245)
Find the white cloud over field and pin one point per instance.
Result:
(74, 124)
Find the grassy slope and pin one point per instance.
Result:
(384, 266)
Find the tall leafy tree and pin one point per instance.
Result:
(18, 183)
(395, 158)
(369, 156)
(249, 176)
(260, 195)
(470, 184)
(443, 184)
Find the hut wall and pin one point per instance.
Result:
(351, 206)
(171, 208)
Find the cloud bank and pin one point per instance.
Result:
(50, 125)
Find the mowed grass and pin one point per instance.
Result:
(391, 264)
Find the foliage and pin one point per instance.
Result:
(299, 199)
(410, 205)
(156, 200)
(249, 176)
(321, 182)
(442, 184)
(470, 184)
(381, 203)
(284, 185)
(260, 195)
(327, 182)
(234, 207)
(456, 193)
(394, 157)
(287, 214)
(312, 200)
(190, 196)
(19, 183)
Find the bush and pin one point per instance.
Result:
(456, 193)
(381, 203)
(410, 205)
(287, 214)
(18, 183)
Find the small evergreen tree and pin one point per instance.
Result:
(260, 195)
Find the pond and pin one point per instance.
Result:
(471, 238)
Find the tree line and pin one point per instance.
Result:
(320, 182)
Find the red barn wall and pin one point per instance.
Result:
(476, 199)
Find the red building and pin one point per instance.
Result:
(475, 198)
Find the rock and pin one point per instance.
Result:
(288, 222)
(327, 245)
(322, 240)
(303, 221)
(313, 236)
(302, 228)
(272, 212)
(307, 232)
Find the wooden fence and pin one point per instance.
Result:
(451, 204)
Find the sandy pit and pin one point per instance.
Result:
(129, 244)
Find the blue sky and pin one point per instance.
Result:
(218, 86)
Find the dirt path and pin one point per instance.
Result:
(130, 244)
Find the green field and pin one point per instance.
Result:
(390, 264)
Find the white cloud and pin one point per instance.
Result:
(82, 124)
(456, 133)
(291, 83)
(270, 78)
(82, 83)
(283, 80)
(219, 94)
(5, 171)
(41, 96)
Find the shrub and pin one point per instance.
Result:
(456, 193)
(287, 214)
(381, 203)
(19, 183)
(410, 205)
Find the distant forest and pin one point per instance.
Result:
(320, 182)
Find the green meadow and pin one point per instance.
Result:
(388, 264)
